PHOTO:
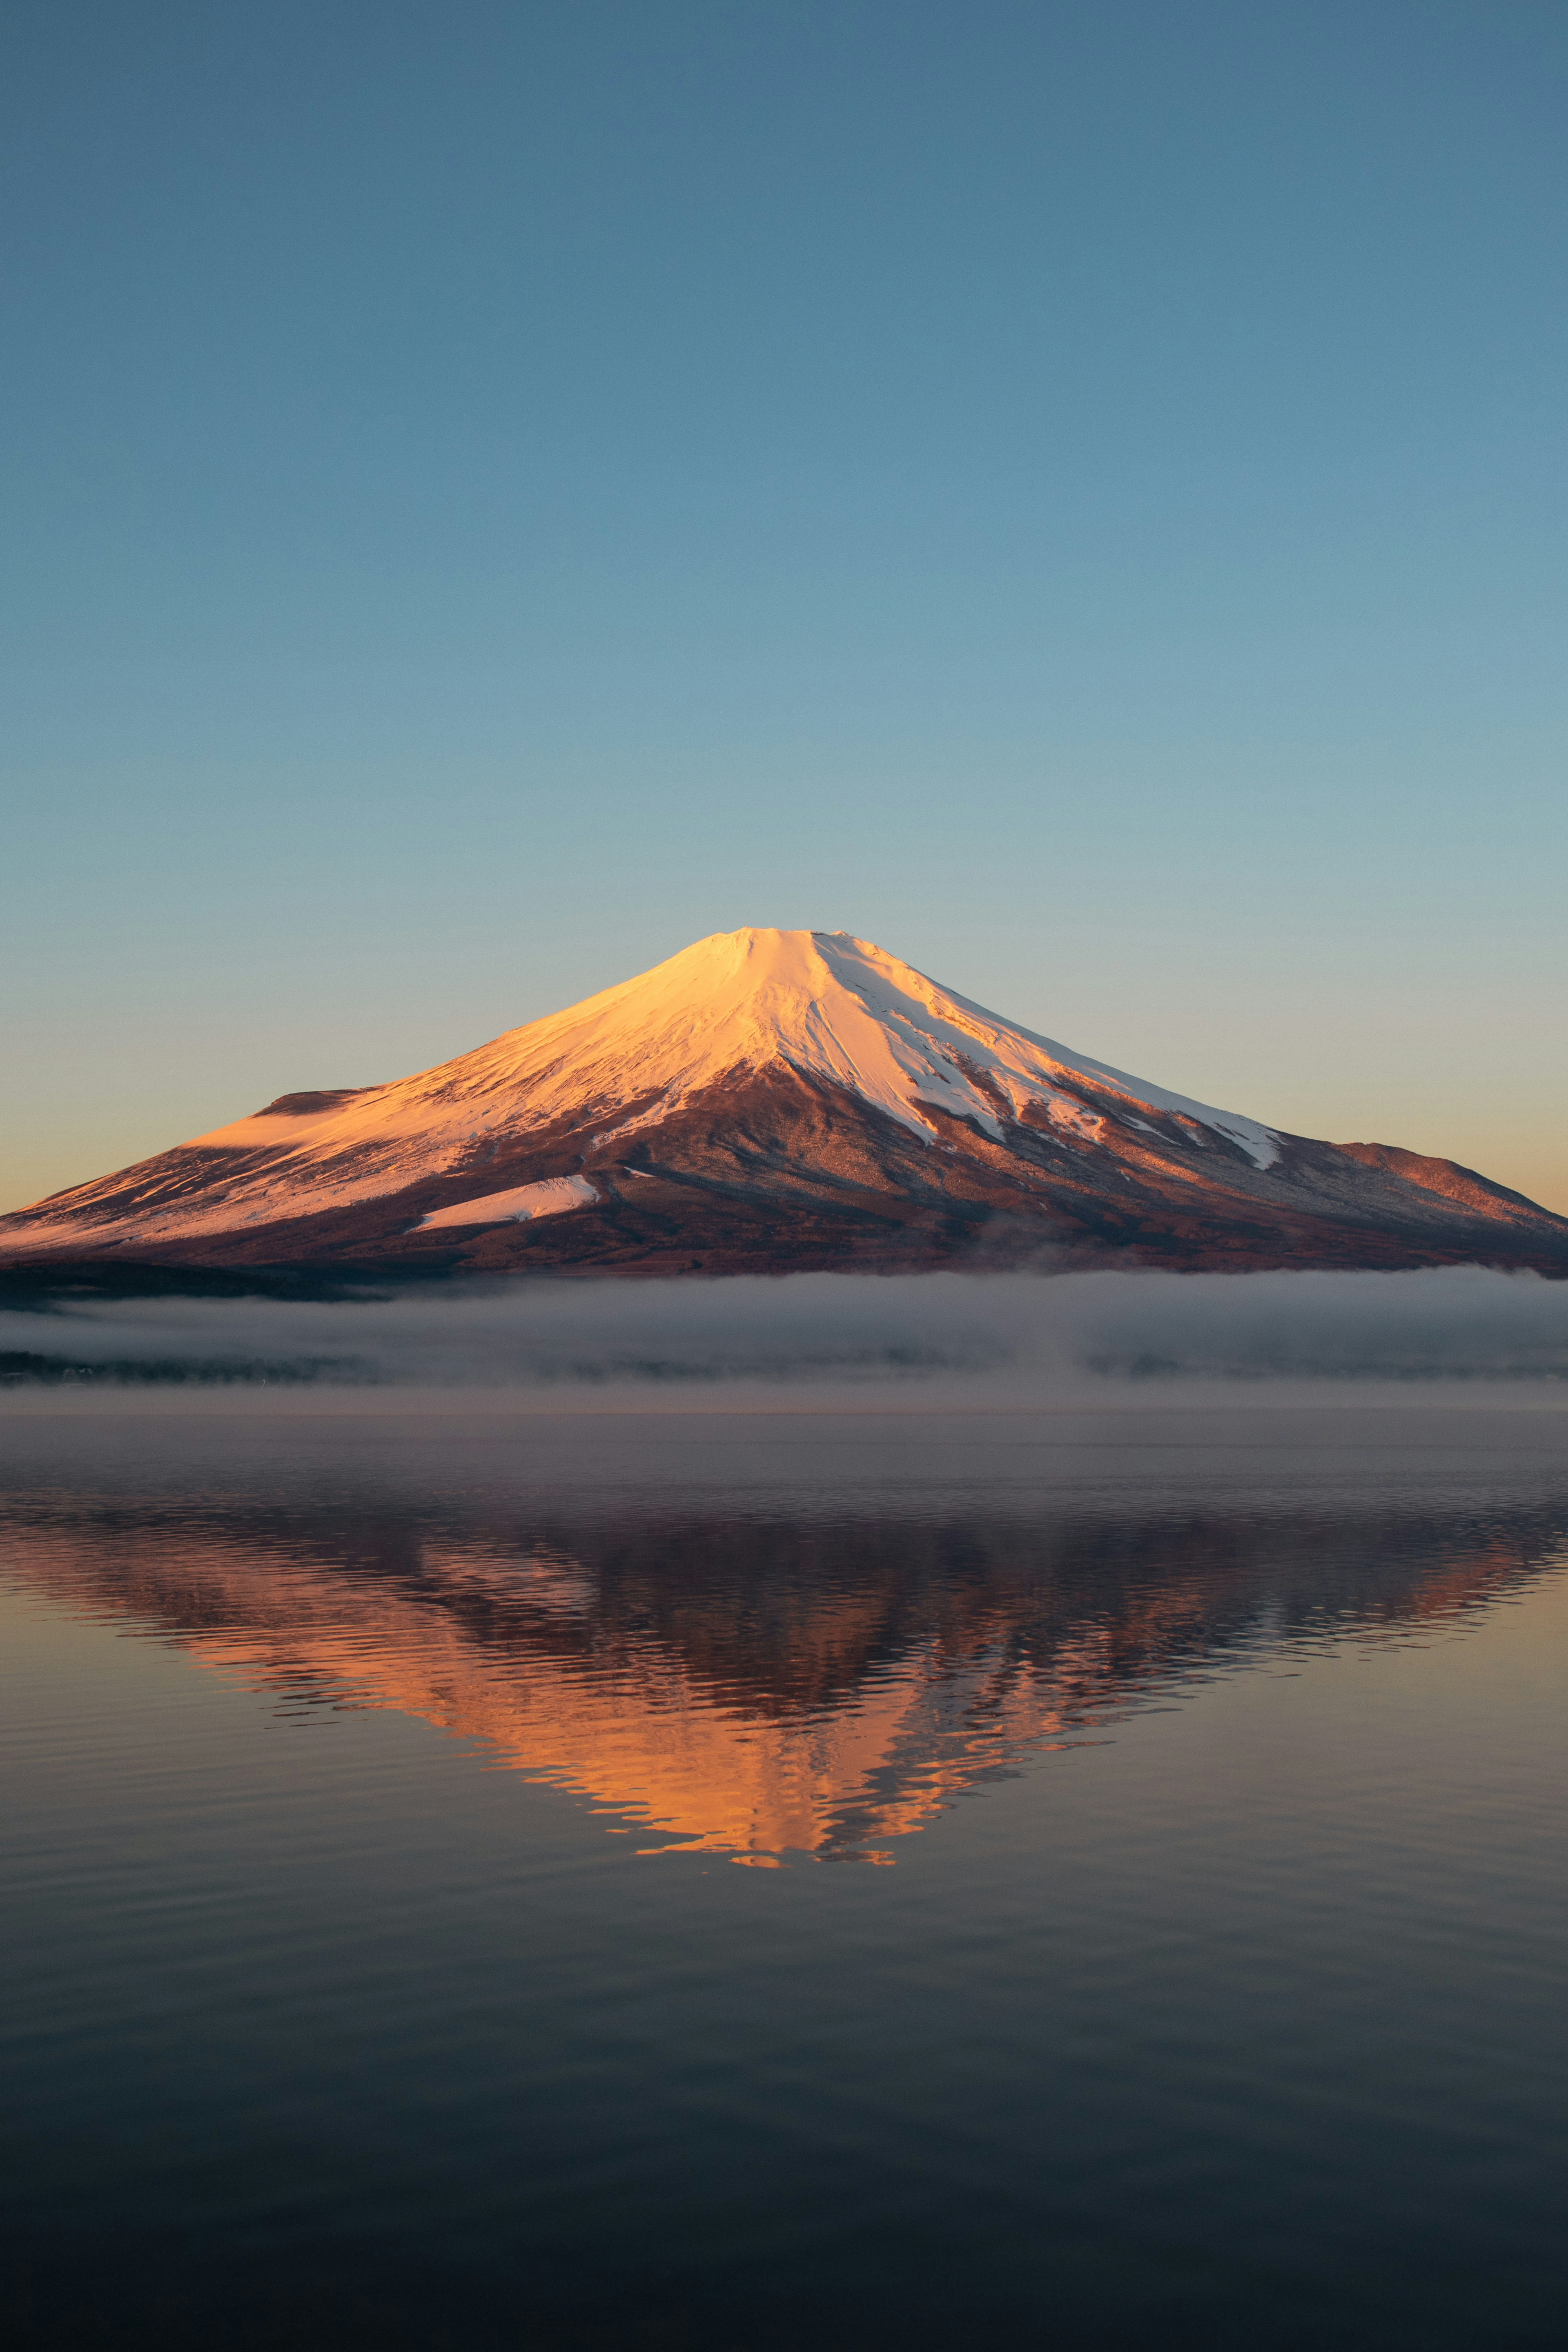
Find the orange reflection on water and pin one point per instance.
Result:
(756, 1693)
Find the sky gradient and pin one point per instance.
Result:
(1075, 494)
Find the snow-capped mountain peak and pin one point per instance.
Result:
(755, 1066)
(829, 1005)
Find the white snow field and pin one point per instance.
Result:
(547, 1199)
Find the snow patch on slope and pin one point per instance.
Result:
(550, 1198)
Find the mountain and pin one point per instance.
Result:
(768, 1101)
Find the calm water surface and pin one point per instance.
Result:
(379, 1971)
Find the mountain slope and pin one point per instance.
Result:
(767, 1100)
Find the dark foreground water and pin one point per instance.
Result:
(378, 1972)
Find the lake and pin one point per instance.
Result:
(420, 1930)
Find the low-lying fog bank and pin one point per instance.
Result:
(959, 1339)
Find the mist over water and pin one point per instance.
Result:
(941, 1338)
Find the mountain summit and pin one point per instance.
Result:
(766, 1101)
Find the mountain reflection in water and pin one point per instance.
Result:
(771, 1642)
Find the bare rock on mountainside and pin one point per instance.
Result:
(770, 1102)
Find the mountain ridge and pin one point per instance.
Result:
(769, 1100)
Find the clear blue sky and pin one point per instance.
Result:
(1075, 493)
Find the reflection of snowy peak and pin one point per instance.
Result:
(815, 1085)
(812, 1679)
